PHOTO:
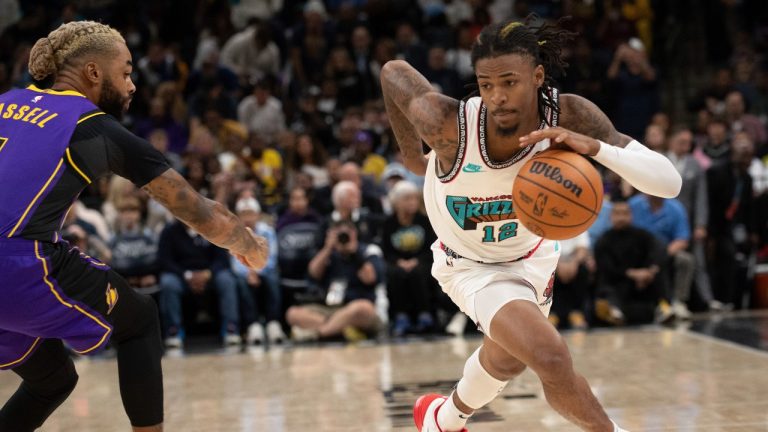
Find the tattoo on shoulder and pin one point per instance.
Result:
(433, 120)
(582, 116)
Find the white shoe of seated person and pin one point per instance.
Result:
(457, 324)
(174, 342)
(299, 334)
(232, 339)
(681, 310)
(255, 335)
(275, 334)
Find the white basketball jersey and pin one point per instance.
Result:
(470, 206)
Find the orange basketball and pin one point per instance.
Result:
(557, 194)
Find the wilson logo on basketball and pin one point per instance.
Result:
(553, 173)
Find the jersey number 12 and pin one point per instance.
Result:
(505, 231)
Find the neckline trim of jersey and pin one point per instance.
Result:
(482, 132)
(55, 92)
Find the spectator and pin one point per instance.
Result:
(263, 286)
(350, 85)
(298, 233)
(407, 237)
(445, 79)
(628, 260)
(267, 166)
(349, 272)
(362, 55)
(308, 156)
(667, 220)
(134, 248)
(693, 196)
(572, 282)
(655, 138)
(311, 42)
(636, 96)
(732, 224)
(252, 54)
(460, 57)
(350, 171)
(189, 263)
(261, 112)
(740, 121)
(409, 47)
(211, 70)
(160, 119)
(346, 206)
(716, 147)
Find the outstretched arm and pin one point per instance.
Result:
(417, 112)
(209, 218)
(587, 130)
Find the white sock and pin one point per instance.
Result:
(476, 389)
(450, 418)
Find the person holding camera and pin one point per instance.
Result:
(349, 271)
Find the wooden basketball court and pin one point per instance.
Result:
(649, 379)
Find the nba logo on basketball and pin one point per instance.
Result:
(541, 202)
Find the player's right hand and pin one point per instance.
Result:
(256, 257)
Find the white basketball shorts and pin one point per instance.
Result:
(467, 282)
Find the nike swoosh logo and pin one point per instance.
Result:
(472, 168)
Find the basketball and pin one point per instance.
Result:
(557, 194)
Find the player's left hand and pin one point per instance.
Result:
(561, 138)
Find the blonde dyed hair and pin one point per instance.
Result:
(50, 54)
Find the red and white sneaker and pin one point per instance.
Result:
(425, 412)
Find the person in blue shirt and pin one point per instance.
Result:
(261, 285)
(667, 219)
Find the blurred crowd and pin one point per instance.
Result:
(274, 108)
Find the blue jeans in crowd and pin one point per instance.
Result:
(269, 290)
(172, 287)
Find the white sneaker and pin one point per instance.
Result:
(275, 333)
(174, 342)
(255, 335)
(457, 324)
(716, 306)
(681, 310)
(232, 339)
(299, 334)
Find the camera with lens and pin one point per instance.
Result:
(343, 237)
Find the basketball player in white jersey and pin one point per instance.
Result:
(499, 273)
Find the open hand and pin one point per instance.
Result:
(256, 257)
(561, 138)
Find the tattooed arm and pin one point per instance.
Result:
(581, 115)
(417, 112)
(209, 218)
(587, 130)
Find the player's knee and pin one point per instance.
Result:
(59, 384)
(500, 364)
(506, 369)
(552, 362)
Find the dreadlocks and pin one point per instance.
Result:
(543, 43)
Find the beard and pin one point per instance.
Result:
(507, 131)
(111, 101)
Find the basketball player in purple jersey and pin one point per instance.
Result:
(54, 143)
(495, 270)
